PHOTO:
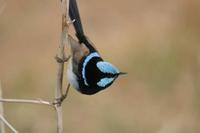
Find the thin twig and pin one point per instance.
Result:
(27, 101)
(8, 124)
(2, 126)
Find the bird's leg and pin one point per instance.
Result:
(63, 97)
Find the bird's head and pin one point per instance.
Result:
(109, 73)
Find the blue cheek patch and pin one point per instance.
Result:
(87, 59)
(105, 81)
(107, 67)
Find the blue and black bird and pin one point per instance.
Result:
(88, 72)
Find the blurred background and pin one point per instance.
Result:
(157, 42)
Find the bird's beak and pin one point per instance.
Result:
(122, 73)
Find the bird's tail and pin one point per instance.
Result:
(74, 15)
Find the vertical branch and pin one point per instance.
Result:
(60, 69)
(2, 127)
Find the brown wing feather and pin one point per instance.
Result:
(78, 51)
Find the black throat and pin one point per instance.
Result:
(88, 85)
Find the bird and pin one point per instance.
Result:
(88, 73)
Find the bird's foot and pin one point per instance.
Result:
(60, 100)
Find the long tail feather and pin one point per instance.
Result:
(74, 15)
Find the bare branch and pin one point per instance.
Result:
(27, 101)
(8, 124)
(59, 78)
(60, 69)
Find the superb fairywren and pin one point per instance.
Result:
(88, 72)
